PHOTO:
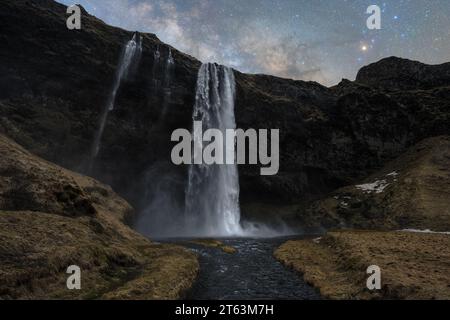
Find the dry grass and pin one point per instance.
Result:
(413, 265)
(416, 196)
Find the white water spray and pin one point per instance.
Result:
(170, 62)
(211, 203)
(212, 195)
(132, 53)
(129, 59)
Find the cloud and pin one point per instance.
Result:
(183, 30)
(284, 56)
(240, 41)
(250, 48)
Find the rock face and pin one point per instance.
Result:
(401, 74)
(54, 84)
(332, 137)
(52, 218)
(413, 191)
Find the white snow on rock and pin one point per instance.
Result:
(377, 186)
(317, 240)
(392, 174)
(424, 231)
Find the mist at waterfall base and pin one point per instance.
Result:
(211, 193)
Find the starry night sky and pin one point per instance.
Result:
(320, 40)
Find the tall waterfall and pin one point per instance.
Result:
(129, 60)
(212, 195)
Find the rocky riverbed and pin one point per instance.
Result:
(248, 272)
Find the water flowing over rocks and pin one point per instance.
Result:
(248, 272)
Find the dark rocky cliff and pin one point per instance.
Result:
(402, 74)
(54, 84)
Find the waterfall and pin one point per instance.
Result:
(156, 61)
(129, 60)
(163, 189)
(167, 90)
(212, 195)
(131, 54)
(170, 62)
(208, 204)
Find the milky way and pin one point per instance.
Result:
(320, 40)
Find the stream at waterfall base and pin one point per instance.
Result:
(250, 273)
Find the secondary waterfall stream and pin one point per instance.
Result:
(167, 91)
(129, 60)
(212, 195)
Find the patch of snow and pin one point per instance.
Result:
(424, 231)
(392, 174)
(223, 269)
(377, 186)
(317, 240)
(344, 204)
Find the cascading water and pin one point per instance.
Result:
(128, 61)
(169, 66)
(212, 195)
(208, 205)
(156, 62)
(167, 90)
(132, 53)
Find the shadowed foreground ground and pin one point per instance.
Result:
(51, 218)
